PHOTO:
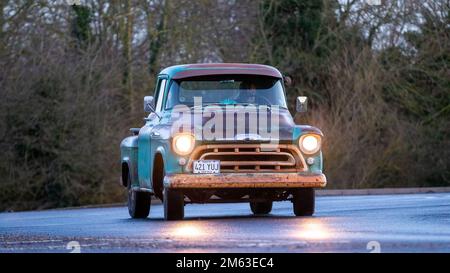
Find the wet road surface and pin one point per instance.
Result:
(386, 223)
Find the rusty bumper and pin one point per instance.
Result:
(248, 180)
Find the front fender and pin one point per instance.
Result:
(300, 130)
(170, 159)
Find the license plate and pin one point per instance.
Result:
(207, 166)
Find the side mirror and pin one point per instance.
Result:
(149, 104)
(301, 104)
(288, 81)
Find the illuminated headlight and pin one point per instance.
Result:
(183, 144)
(310, 144)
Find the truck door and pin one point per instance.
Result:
(145, 157)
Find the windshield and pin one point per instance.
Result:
(227, 90)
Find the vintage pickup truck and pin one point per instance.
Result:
(221, 133)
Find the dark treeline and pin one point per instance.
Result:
(72, 79)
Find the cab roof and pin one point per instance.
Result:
(203, 69)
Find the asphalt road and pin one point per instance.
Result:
(386, 223)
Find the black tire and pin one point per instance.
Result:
(303, 201)
(138, 202)
(261, 207)
(173, 204)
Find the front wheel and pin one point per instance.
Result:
(303, 201)
(261, 207)
(173, 204)
(138, 202)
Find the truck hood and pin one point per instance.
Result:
(261, 126)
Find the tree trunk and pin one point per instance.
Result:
(157, 37)
(127, 37)
(2, 22)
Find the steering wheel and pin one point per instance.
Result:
(232, 101)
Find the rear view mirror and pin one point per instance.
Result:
(301, 104)
(149, 104)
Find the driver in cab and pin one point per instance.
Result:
(247, 93)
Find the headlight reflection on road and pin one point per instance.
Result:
(187, 230)
(313, 230)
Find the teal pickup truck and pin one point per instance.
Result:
(221, 133)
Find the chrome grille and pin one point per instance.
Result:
(251, 157)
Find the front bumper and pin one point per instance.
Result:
(244, 180)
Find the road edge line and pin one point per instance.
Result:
(381, 191)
